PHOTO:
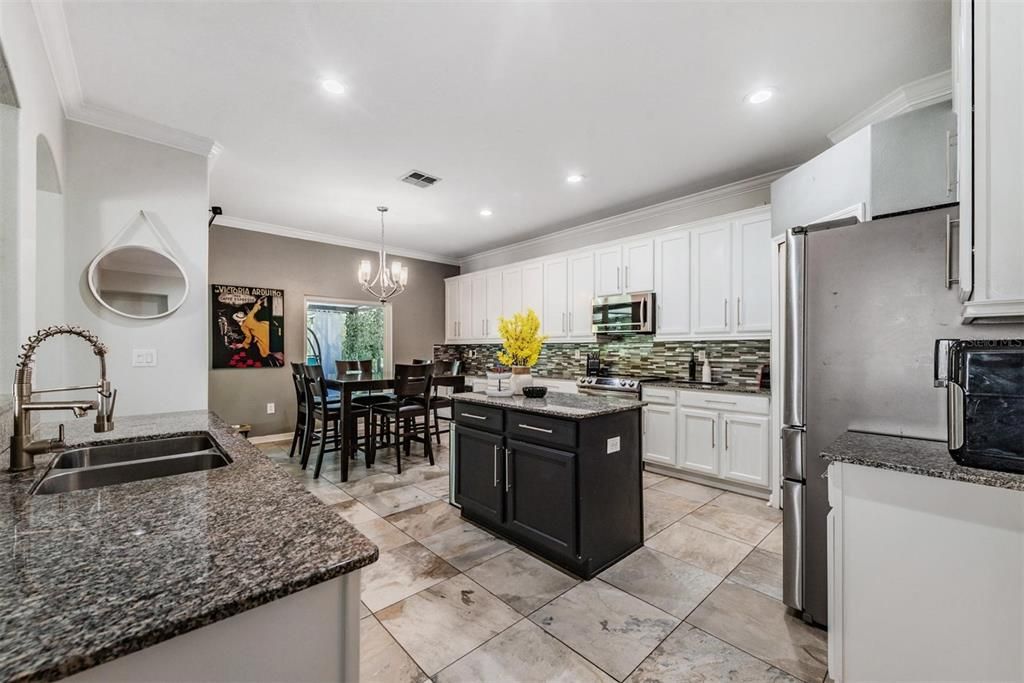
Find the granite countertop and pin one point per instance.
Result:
(728, 388)
(556, 404)
(914, 456)
(93, 575)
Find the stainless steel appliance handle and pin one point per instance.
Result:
(793, 544)
(473, 416)
(537, 429)
(792, 453)
(793, 353)
(955, 415)
(495, 466)
(950, 280)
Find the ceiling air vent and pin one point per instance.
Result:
(420, 179)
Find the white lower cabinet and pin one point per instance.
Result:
(713, 434)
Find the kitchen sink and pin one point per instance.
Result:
(94, 466)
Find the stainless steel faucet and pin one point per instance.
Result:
(23, 448)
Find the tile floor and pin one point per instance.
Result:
(448, 601)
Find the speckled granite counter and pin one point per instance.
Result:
(557, 404)
(93, 575)
(914, 456)
(728, 388)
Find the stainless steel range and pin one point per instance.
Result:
(623, 387)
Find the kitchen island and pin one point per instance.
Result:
(560, 475)
(233, 573)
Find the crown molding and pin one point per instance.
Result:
(53, 27)
(740, 187)
(914, 95)
(326, 238)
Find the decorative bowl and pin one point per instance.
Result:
(534, 392)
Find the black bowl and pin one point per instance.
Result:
(534, 392)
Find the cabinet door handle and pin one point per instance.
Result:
(714, 427)
(570, 322)
(726, 435)
(644, 428)
(473, 416)
(618, 279)
(949, 162)
(627, 277)
(495, 466)
(725, 312)
(738, 323)
(537, 429)
(508, 481)
(950, 280)
(724, 403)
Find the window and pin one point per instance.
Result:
(338, 330)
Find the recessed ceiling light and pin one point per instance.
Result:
(486, 212)
(759, 96)
(332, 86)
(574, 178)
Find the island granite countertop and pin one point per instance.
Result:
(556, 404)
(93, 575)
(913, 456)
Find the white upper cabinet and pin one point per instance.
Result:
(752, 242)
(533, 289)
(608, 271)
(492, 310)
(672, 288)
(464, 329)
(581, 294)
(712, 278)
(638, 266)
(991, 202)
(451, 309)
(555, 322)
(475, 325)
(511, 292)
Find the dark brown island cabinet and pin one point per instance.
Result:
(559, 476)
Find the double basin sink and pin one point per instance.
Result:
(120, 463)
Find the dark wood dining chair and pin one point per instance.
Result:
(326, 411)
(439, 401)
(299, 436)
(412, 400)
(365, 399)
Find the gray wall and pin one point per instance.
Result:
(303, 268)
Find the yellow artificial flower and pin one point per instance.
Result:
(521, 339)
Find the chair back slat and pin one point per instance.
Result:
(344, 367)
(314, 375)
(298, 382)
(413, 379)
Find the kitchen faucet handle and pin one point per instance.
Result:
(113, 400)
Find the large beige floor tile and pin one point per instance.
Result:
(732, 521)
(606, 625)
(761, 571)
(523, 654)
(521, 580)
(354, 512)
(662, 580)
(711, 552)
(748, 505)
(761, 626)
(650, 478)
(441, 624)
(427, 520)
(395, 500)
(383, 534)
(772, 543)
(662, 509)
(401, 572)
(691, 656)
(695, 493)
(465, 545)
(436, 486)
(381, 659)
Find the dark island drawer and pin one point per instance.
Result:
(478, 416)
(542, 429)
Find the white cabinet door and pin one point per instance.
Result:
(556, 298)
(672, 289)
(581, 294)
(745, 448)
(608, 271)
(492, 309)
(712, 278)
(465, 329)
(533, 289)
(638, 266)
(752, 274)
(963, 101)
(451, 310)
(474, 327)
(698, 441)
(660, 434)
(511, 292)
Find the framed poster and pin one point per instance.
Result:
(248, 327)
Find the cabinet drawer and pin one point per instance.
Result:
(478, 416)
(662, 395)
(720, 400)
(541, 429)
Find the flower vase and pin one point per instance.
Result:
(521, 377)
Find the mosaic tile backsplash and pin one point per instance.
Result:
(736, 361)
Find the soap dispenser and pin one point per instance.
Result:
(705, 372)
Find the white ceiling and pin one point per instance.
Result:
(501, 101)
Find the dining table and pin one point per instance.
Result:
(351, 383)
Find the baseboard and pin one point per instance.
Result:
(734, 486)
(271, 438)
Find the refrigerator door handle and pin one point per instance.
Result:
(793, 453)
(793, 544)
(793, 351)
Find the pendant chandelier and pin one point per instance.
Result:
(388, 281)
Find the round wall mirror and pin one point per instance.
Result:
(138, 282)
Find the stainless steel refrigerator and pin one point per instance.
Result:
(864, 306)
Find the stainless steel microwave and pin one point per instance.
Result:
(623, 314)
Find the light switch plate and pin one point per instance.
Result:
(143, 358)
(271, 409)
(614, 444)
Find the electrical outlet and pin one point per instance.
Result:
(143, 358)
(615, 444)
(271, 409)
